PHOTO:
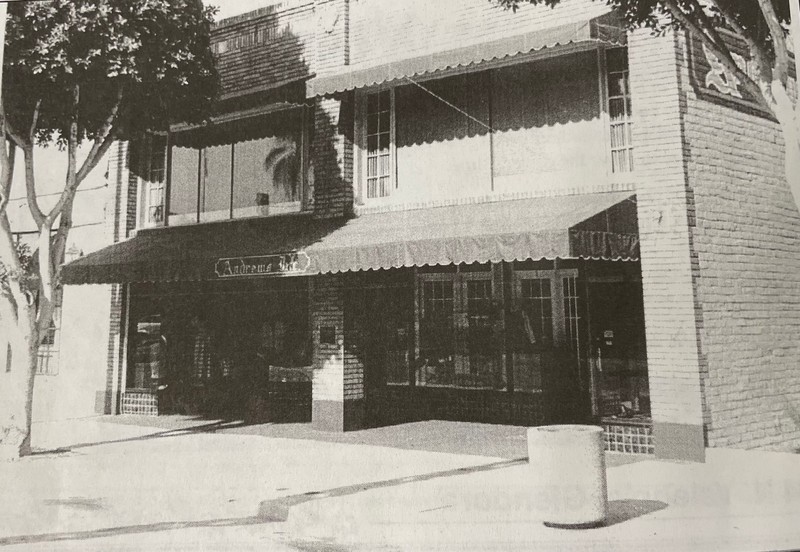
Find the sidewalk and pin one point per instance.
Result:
(737, 500)
(181, 484)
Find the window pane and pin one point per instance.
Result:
(215, 202)
(266, 172)
(372, 103)
(385, 99)
(372, 144)
(183, 194)
(616, 84)
(372, 123)
(616, 109)
(617, 59)
(385, 121)
(618, 135)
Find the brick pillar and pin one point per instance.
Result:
(669, 265)
(332, 35)
(332, 156)
(122, 208)
(338, 383)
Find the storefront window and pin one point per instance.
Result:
(183, 186)
(459, 344)
(204, 346)
(378, 323)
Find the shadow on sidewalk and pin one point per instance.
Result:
(128, 530)
(270, 511)
(211, 427)
(620, 511)
(277, 510)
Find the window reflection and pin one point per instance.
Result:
(183, 186)
(239, 179)
(215, 183)
(266, 174)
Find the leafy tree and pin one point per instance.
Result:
(79, 71)
(765, 26)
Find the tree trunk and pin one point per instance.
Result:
(16, 384)
(785, 111)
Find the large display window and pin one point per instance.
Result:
(226, 340)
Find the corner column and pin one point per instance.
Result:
(673, 315)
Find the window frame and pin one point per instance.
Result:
(362, 150)
(626, 122)
(197, 216)
(557, 296)
(48, 353)
(147, 185)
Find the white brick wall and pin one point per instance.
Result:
(748, 246)
(668, 272)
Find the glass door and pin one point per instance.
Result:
(459, 335)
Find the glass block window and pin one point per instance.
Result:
(619, 109)
(378, 144)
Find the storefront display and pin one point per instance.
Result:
(218, 345)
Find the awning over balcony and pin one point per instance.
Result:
(604, 29)
(599, 225)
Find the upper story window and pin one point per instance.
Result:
(151, 212)
(619, 109)
(378, 145)
(243, 171)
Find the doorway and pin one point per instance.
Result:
(618, 354)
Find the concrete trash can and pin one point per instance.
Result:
(568, 466)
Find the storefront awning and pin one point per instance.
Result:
(600, 226)
(550, 227)
(604, 29)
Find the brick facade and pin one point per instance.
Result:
(720, 255)
(747, 242)
(668, 268)
(122, 223)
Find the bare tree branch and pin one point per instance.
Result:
(30, 186)
(102, 141)
(100, 152)
(34, 120)
(760, 55)
(781, 66)
(72, 151)
(723, 54)
(8, 159)
(706, 24)
(15, 136)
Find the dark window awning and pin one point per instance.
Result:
(604, 29)
(599, 226)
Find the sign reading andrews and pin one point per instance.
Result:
(283, 264)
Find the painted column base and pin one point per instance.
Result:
(679, 441)
(338, 415)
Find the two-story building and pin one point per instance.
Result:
(415, 210)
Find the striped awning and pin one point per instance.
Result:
(597, 225)
(604, 29)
